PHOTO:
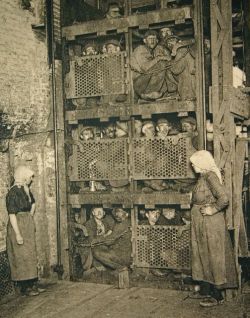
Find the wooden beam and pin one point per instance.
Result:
(135, 20)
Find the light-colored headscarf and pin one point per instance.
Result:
(205, 161)
(22, 173)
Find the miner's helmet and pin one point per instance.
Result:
(114, 6)
(90, 44)
(172, 37)
(162, 121)
(189, 119)
(113, 42)
(150, 33)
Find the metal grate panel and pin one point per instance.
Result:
(100, 160)
(6, 285)
(161, 158)
(97, 75)
(161, 247)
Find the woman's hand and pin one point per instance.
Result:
(19, 239)
(208, 210)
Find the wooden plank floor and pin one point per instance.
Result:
(86, 300)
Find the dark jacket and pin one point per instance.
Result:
(91, 227)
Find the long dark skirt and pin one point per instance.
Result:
(212, 252)
(22, 258)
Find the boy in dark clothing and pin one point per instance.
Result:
(98, 227)
(115, 250)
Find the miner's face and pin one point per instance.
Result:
(87, 134)
(111, 48)
(187, 127)
(151, 41)
(98, 213)
(171, 43)
(120, 215)
(163, 129)
(90, 50)
(168, 213)
(110, 131)
(114, 12)
(153, 216)
(165, 33)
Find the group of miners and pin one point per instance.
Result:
(162, 128)
(163, 67)
(104, 241)
(149, 129)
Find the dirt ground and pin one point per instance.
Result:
(64, 299)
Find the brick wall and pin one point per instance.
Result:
(25, 98)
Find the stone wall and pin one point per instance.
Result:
(26, 101)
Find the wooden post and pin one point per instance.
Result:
(246, 8)
(199, 67)
(123, 279)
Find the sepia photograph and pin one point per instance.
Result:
(125, 159)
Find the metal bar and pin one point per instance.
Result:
(58, 268)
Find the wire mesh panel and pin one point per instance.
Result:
(100, 160)
(161, 158)
(97, 75)
(162, 247)
(6, 285)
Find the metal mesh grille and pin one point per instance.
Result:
(6, 285)
(98, 75)
(100, 160)
(160, 247)
(161, 158)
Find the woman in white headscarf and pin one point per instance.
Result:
(212, 254)
(21, 245)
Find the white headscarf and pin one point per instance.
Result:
(205, 161)
(21, 174)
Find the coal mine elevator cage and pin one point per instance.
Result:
(99, 92)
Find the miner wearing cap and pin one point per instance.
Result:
(87, 133)
(150, 63)
(183, 67)
(148, 131)
(90, 48)
(163, 128)
(113, 11)
(189, 128)
(112, 47)
(164, 33)
(121, 131)
(115, 250)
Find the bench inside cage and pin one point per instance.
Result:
(100, 160)
(98, 75)
(162, 246)
(159, 158)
